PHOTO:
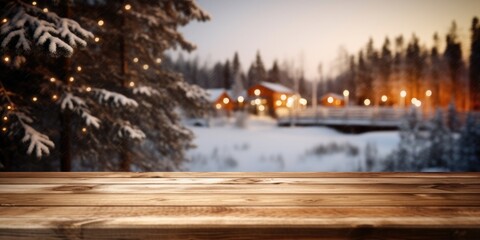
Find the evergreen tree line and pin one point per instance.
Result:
(409, 65)
(436, 145)
(230, 74)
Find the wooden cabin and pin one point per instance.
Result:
(221, 100)
(267, 97)
(332, 100)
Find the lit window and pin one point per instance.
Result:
(330, 100)
(226, 100)
(367, 102)
(257, 92)
(428, 93)
(384, 98)
(303, 101)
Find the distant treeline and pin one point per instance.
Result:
(227, 74)
(410, 66)
(399, 64)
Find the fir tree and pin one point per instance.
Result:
(274, 73)
(469, 147)
(436, 68)
(474, 73)
(118, 92)
(453, 56)
(385, 66)
(257, 72)
(227, 75)
(439, 148)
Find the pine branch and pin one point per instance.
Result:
(29, 24)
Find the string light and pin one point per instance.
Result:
(34, 99)
(71, 79)
(6, 59)
(34, 3)
(100, 22)
(54, 97)
(4, 20)
(79, 68)
(97, 39)
(158, 60)
(131, 84)
(128, 7)
(84, 130)
(52, 79)
(4, 129)
(135, 60)
(5, 118)
(88, 89)
(45, 10)
(9, 107)
(145, 66)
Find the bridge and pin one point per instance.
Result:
(352, 118)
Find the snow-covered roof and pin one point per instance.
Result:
(276, 87)
(215, 93)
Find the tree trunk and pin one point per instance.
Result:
(125, 157)
(65, 117)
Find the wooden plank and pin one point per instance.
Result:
(405, 199)
(264, 215)
(236, 175)
(238, 188)
(261, 180)
(205, 222)
(235, 233)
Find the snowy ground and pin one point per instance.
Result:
(262, 146)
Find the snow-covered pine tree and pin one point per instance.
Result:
(453, 123)
(34, 40)
(140, 32)
(468, 152)
(439, 145)
(406, 156)
(112, 95)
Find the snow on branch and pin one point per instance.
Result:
(90, 120)
(71, 102)
(78, 105)
(192, 91)
(30, 24)
(145, 90)
(133, 133)
(38, 141)
(117, 98)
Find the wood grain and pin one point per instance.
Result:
(240, 206)
(240, 180)
(236, 174)
(238, 188)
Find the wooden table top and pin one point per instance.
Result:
(240, 205)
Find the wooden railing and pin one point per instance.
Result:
(357, 116)
(240, 206)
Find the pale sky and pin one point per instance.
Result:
(318, 29)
